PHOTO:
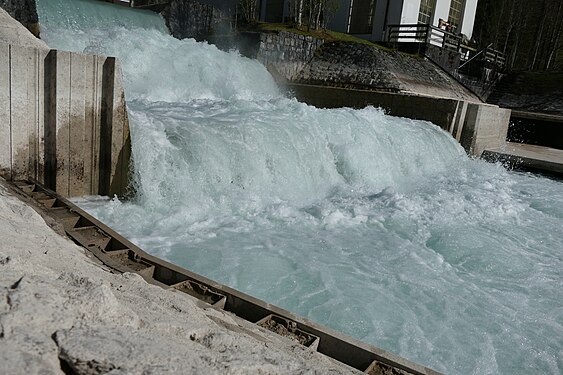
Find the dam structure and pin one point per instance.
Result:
(376, 226)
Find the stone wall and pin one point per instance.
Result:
(193, 19)
(361, 66)
(308, 60)
(285, 53)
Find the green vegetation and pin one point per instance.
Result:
(327, 35)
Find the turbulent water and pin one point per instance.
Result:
(377, 226)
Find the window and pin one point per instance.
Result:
(456, 13)
(360, 19)
(426, 11)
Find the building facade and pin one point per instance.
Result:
(369, 19)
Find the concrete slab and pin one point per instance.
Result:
(537, 116)
(527, 156)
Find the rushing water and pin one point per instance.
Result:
(377, 226)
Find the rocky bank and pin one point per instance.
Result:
(305, 59)
(530, 91)
(61, 312)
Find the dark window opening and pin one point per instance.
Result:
(360, 19)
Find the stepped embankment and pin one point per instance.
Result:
(62, 312)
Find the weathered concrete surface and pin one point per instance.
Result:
(522, 155)
(13, 32)
(62, 313)
(485, 126)
(63, 119)
(25, 11)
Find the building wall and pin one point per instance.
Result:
(390, 12)
(469, 18)
(442, 11)
(410, 11)
(339, 20)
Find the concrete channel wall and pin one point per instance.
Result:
(63, 120)
(476, 126)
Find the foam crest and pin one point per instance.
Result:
(376, 226)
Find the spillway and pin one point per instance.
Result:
(377, 226)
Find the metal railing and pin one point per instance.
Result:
(422, 33)
(493, 56)
(147, 3)
(434, 36)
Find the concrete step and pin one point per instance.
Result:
(521, 155)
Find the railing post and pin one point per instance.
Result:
(444, 39)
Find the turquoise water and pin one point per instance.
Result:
(377, 226)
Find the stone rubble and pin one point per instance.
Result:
(60, 312)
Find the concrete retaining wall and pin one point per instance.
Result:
(485, 127)
(476, 126)
(63, 121)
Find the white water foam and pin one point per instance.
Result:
(377, 226)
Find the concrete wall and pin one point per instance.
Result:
(63, 120)
(476, 126)
(485, 127)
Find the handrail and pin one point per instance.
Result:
(432, 35)
(474, 56)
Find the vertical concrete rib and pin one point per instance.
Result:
(89, 98)
(120, 153)
(96, 124)
(106, 127)
(50, 115)
(33, 85)
(5, 127)
(62, 98)
(459, 119)
(77, 120)
(20, 98)
(41, 118)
